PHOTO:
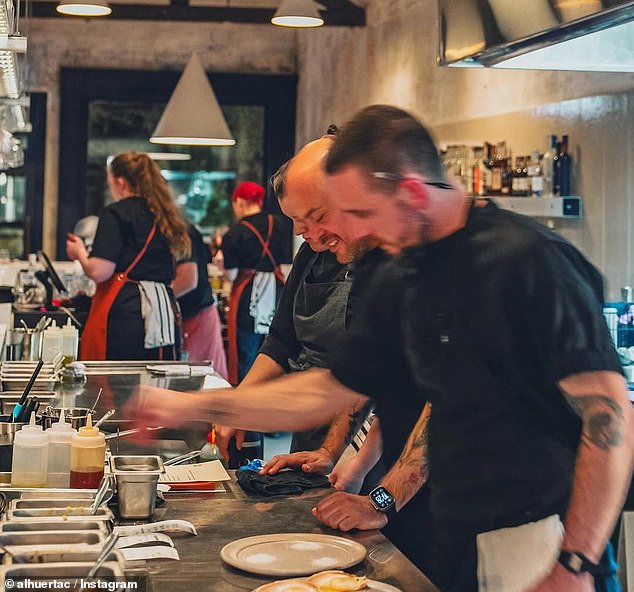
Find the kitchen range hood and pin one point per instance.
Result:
(591, 35)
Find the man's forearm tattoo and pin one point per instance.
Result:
(602, 420)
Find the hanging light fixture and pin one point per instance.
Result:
(298, 13)
(193, 116)
(84, 8)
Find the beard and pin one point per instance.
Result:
(354, 250)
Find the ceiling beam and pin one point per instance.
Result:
(339, 13)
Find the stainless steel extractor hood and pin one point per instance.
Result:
(593, 35)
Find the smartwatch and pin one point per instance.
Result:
(577, 563)
(383, 501)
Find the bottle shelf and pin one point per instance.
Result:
(543, 207)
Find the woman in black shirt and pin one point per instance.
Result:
(138, 240)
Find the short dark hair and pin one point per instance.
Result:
(278, 180)
(385, 138)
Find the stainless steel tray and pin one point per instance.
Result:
(51, 537)
(60, 555)
(63, 570)
(54, 514)
(23, 526)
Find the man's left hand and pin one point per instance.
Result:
(345, 511)
(311, 461)
(561, 580)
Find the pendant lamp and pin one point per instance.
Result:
(298, 13)
(192, 116)
(84, 8)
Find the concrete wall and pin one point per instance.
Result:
(83, 43)
(392, 60)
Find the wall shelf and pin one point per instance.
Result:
(543, 207)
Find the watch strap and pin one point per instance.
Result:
(577, 563)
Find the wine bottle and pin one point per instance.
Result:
(564, 167)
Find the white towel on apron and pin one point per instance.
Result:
(157, 313)
(262, 304)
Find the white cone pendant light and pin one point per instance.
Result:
(85, 8)
(192, 116)
(298, 13)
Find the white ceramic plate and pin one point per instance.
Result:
(373, 586)
(292, 554)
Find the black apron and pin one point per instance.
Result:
(319, 316)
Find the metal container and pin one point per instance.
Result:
(51, 537)
(7, 435)
(76, 416)
(42, 556)
(62, 571)
(18, 382)
(59, 494)
(61, 503)
(136, 478)
(55, 526)
(55, 514)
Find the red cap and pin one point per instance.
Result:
(249, 191)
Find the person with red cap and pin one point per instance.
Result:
(253, 249)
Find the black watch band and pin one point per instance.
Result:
(577, 563)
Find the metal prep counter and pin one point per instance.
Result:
(222, 517)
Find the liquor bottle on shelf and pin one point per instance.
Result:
(499, 166)
(478, 171)
(548, 165)
(555, 148)
(488, 163)
(535, 175)
(520, 182)
(564, 167)
(507, 177)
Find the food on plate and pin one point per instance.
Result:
(337, 581)
(288, 586)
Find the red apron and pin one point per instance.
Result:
(94, 339)
(245, 276)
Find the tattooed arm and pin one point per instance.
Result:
(603, 468)
(410, 471)
(346, 511)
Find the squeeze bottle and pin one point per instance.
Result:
(70, 341)
(87, 457)
(30, 456)
(59, 437)
(51, 342)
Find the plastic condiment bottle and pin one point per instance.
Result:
(70, 341)
(51, 342)
(87, 457)
(210, 450)
(30, 456)
(60, 435)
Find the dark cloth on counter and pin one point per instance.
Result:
(122, 231)
(201, 296)
(489, 319)
(283, 483)
(242, 250)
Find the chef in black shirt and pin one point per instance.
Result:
(202, 335)
(138, 239)
(501, 324)
(253, 250)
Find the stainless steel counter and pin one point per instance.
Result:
(223, 517)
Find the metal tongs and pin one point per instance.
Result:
(104, 493)
(108, 546)
(177, 460)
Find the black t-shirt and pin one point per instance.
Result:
(201, 296)
(489, 319)
(122, 231)
(241, 249)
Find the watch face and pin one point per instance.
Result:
(382, 498)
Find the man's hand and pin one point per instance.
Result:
(345, 511)
(561, 580)
(347, 475)
(223, 438)
(312, 461)
(151, 407)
